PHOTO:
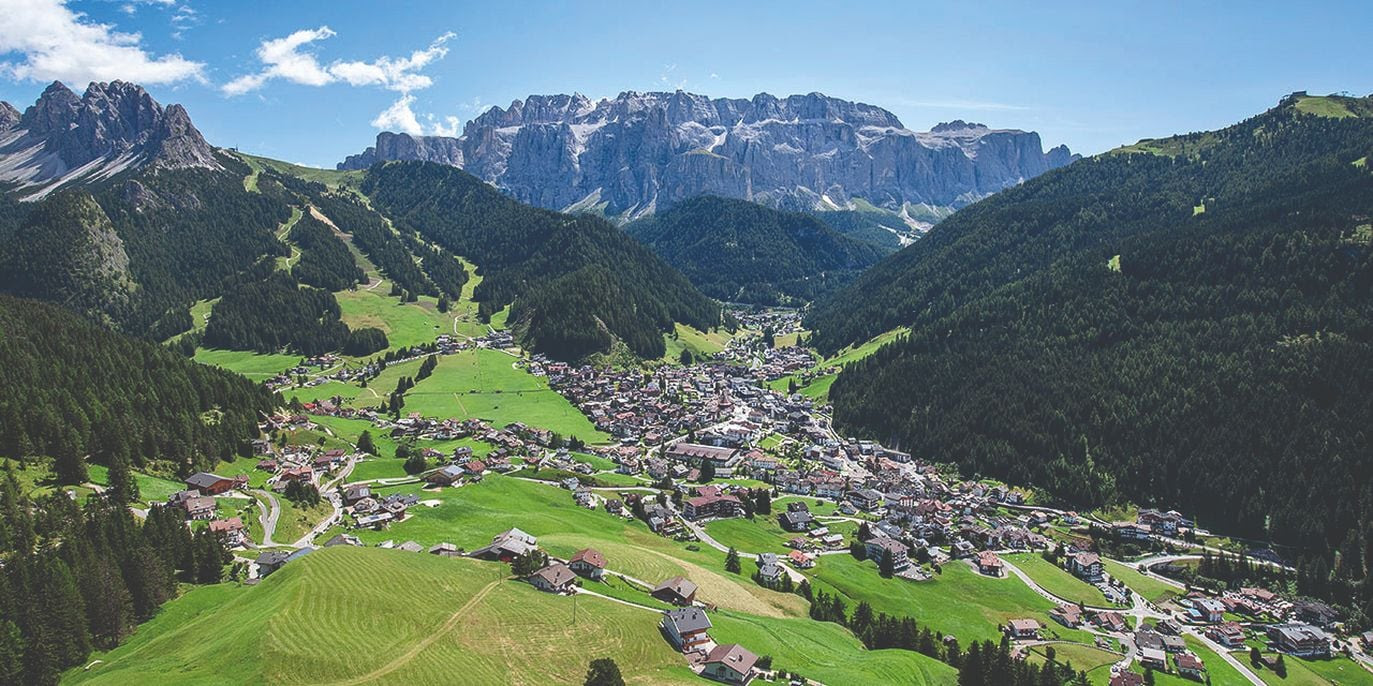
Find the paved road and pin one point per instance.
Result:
(268, 517)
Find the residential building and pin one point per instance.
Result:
(1023, 629)
(212, 484)
(678, 590)
(686, 627)
(1302, 640)
(1228, 634)
(730, 664)
(1086, 566)
(588, 562)
(507, 545)
(555, 578)
(711, 506)
(988, 563)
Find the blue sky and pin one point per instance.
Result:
(310, 82)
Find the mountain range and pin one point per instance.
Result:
(628, 156)
(118, 209)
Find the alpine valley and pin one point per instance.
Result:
(664, 388)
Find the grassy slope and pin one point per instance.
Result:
(326, 618)
(470, 515)
(1058, 581)
(484, 384)
(959, 601)
(700, 343)
(819, 387)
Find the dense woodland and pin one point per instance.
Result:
(1092, 333)
(78, 578)
(739, 251)
(274, 314)
(325, 261)
(567, 276)
(74, 390)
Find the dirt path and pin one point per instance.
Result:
(410, 654)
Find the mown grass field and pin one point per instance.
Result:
(762, 534)
(1148, 586)
(405, 324)
(255, 366)
(485, 384)
(702, 344)
(1083, 658)
(150, 488)
(470, 515)
(827, 652)
(326, 619)
(959, 601)
(1058, 581)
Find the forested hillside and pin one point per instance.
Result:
(574, 281)
(74, 389)
(1190, 327)
(739, 251)
(136, 251)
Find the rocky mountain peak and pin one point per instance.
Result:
(8, 115)
(112, 127)
(643, 151)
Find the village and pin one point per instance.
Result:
(711, 442)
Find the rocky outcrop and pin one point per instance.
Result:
(644, 151)
(8, 115)
(403, 146)
(113, 127)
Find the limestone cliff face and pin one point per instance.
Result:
(644, 151)
(112, 127)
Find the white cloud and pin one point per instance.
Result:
(448, 126)
(56, 43)
(399, 117)
(288, 59)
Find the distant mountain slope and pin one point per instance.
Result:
(739, 251)
(1190, 327)
(575, 281)
(639, 152)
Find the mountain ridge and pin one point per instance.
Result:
(111, 128)
(642, 151)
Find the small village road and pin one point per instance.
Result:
(268, 517)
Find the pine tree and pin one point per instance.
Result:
(67, 463)
(886, 565)
(366, 444)
(732, 561)
(603, 672)
(123, 488)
